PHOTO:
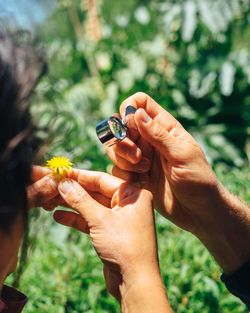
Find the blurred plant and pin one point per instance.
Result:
(191, 56)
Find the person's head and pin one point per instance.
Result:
(21, 66)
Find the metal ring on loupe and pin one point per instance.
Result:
(111, 130)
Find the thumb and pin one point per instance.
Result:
(155, 133)
(78, 198)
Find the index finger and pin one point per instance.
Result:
(100, 182)
(38, 172)
(144, 101)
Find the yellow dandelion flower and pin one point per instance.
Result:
(59, 165)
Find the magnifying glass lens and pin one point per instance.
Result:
(117, 128)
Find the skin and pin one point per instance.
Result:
(128, 249)
(43, 192)
(9, 246)
(187, 191)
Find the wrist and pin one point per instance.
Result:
(228, 230)
(140, 273)
(142, 290)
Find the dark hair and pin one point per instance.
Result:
(21, 66)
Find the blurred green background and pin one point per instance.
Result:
(193, 57)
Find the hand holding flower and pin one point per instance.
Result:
(122, 232)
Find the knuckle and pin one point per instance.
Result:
(45, 186)
(159, 133)
(35, 198)
(100, 180)
(123, 163)
(140, 94)
(77, 197)
(126, 166)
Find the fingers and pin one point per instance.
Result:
(71, 219)
(38, 172)
(139, 180)
(50, 205)
(58, 201)
(78, 198)
(99, 182)
(153, 109)
(100, 198)
(127, 150)
(160, 129)
(124, 175)
(156, 133)
(133, 133)
(128, 194)
(141, 167)
(141, 100)
(42, 191)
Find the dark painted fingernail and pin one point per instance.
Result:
(130, 110)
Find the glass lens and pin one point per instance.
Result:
(117, 128)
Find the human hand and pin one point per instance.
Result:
(185, 188)
(43, 192)
(177, 172)
(119, 218)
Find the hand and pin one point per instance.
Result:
(185, 188)
(43, 192)
(119, 218)
(177, 172)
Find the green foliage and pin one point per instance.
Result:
(193, 58)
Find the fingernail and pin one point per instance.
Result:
(145, 118)
(66, 185)
(144, 165)
(129, 109)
